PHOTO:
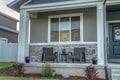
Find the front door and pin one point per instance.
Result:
(114, 41)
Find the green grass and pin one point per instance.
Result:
(4, 65)
(20, 78)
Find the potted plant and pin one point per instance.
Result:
(27, 59)
(94, 59)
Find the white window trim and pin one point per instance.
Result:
(66, 15)
(4, 39)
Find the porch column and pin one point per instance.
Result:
(100, 33)
(23, 45)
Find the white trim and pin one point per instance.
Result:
(113, 21)
(113, 2)
(49, 30)
(60, 7)
(9, 16)
(8, 29)
(64, 65)
(94, 43)
(5, 39)
(81, 29)
(60, 3)
(70, 28)
(23, 45)
(26, 3)
(100, 34)
(66, 15)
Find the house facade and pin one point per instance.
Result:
(66, 24)
(8, 25)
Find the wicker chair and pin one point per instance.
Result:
(48, 55)
(78, 55)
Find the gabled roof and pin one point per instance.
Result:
(16, 4)
(6, 11)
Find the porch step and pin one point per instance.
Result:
(115, 74)
(71, 69)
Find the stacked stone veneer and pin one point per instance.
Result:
(36, 50)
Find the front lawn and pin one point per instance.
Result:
(4, 65)
(20, 78)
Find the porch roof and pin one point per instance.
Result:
(113, 8)
(60, 5)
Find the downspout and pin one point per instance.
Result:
(105, 45)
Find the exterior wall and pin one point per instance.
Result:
(36, 50)
(90, 26)
(10, 23)
(12, 37)
(39, 30)
(39, 26)
(115, 15)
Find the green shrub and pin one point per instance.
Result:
(47, 70)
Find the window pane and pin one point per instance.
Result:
(54, 29)
(75, 28)
(64, 29)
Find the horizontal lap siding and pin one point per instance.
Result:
(39, 26)
(6, 22)
(12, 37)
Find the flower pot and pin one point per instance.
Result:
(94, 61)
(27, 60)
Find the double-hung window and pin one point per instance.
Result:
(65, 28)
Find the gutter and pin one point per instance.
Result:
(8, 29)
(105, 55)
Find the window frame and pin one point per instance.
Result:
(66, 15)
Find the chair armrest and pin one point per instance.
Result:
(70, 53)
(56, 53)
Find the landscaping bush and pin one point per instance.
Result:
(47, 70)
(91, 73)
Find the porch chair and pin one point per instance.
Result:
(48, 55)
(78, 55)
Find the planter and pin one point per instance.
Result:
(27, 59)
(94, 62)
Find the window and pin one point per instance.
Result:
(65, 28)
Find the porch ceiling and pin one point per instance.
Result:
(113, 8)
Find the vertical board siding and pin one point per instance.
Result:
(8, 52)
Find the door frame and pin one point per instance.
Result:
(107, 40)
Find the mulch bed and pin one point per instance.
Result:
(11, 72)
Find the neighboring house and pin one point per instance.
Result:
(93, 24)
(8, 24)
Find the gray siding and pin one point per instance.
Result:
(39, 30)
(90, 26)
(39, 27)
(12, 37)
(113, 15)
(7, 22)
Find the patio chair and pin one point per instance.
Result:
(78, 55)
(48, 55)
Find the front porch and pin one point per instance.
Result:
(80, 32)
(36, 31)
